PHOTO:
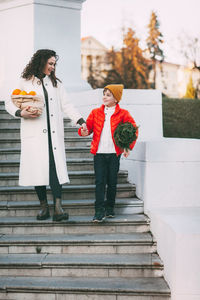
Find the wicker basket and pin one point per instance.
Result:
(35, 102)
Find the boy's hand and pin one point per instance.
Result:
(126, 153)
(84, 130)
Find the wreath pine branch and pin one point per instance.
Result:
(125, 134)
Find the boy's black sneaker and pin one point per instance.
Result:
(99, 217)
(110, 213)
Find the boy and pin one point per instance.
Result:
(102, 122)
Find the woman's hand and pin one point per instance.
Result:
(26, 114)
(84, 130)
(126, 153)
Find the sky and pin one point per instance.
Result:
(104, 20)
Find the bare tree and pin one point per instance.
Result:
(190, 49)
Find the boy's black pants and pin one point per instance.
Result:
(106, 167)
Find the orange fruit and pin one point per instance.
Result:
(23, 93)
(33, 93)
(16, 92)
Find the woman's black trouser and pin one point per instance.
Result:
(55, 186)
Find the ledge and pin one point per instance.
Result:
(71, 4)
(167, 150)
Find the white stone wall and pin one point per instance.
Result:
(17, 44)
(144, 105)
(27, 26)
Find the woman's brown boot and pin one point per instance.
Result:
(59, 213)
(44, 211)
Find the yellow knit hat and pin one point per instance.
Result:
(116, 90)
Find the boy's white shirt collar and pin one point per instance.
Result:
(112, 108)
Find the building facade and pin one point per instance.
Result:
(93, 55)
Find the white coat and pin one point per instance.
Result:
(34, 159)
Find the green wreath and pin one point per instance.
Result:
(125, 134)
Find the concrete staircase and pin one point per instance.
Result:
(77, 259)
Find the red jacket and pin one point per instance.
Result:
(95, 123)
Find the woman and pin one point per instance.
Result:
(43, 160)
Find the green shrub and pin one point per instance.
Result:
(181, 118)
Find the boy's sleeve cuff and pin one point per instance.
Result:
(79, 131)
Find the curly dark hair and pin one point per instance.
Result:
(37, 63)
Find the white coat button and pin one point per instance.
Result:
(46, 84)
(51, 98)
(51, 115)
(44, 130)
(53, 131)
(54, 148)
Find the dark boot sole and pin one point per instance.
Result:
(42, 218)
(59, 218)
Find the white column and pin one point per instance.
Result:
(29, 25)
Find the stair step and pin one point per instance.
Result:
(5, 116)
(68, 191)
(73, 164)
(72, 152)
(15, 123)
(8, 121)
(73, 207)
(74, 259)
(15, 132)
(78, 243)
(147, 288)
(75, 225)
(86, 265)
(76, 177)
(69, 142)
(2, 104)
